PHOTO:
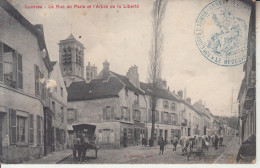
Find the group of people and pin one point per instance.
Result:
(193, 143)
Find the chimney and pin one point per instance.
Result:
(105, 71)
(133, 75)
(106, 66)
(188, 100)
(180, 93)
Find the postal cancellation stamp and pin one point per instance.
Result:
(221, 31)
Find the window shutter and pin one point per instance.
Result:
(169, 118)
(104, 114)
(76, 115)
(134, 114)
(20, 72)
(113, 115)
(12, 122)
(36, 68)
(122, 113)
(128, 114)
(112, 137)
(150, 116)
(14, 75)
(162, 117)
(39, 132)
(31, 129)
(1, 63)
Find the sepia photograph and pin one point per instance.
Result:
(128, 82)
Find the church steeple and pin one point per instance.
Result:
(71, 56)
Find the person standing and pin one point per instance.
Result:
(216, 142)
(174, 142)
(161, 144)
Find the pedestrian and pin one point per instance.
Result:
(216, 142)
(161, 143)
(221, 141)
(174, 142)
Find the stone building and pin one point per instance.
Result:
(167, 112)
(205, 121)
(190, 118)
(24, 62)
(57, 126)
(111, 102)
(247, 92)
(71, 60)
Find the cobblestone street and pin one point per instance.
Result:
(138, 154)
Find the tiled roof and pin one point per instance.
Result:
(159, 92)
(128, 84)
(96, 89)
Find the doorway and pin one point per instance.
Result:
(166, 136)
(188, 131)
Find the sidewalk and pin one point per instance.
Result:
(230, 153)
(52, 158)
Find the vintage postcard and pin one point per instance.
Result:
(128, 82)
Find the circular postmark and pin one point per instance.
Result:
(221, 31)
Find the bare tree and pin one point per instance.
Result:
(155, 67)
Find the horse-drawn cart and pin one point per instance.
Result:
(85, 141)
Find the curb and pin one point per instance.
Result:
(63, 159)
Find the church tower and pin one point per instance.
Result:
(71, 60)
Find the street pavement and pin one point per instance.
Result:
(147, 155)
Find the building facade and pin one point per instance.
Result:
(167, 113)
(57, 126)
(24, 97)
(247, 92)
(111, 102)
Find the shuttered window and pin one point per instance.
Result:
(109, 113)
(12, 123)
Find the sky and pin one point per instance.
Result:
(123, 38)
